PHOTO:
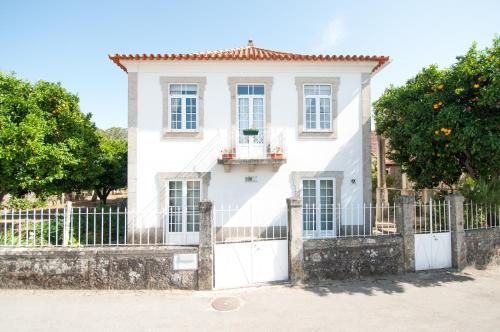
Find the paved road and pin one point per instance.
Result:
(469, 301)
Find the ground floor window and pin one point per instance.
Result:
(318, 204)
(183, 206)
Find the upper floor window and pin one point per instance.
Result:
(317, 105)
(183, 101)
(182, 106)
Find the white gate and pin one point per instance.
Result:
(432, 236)
(246, 253)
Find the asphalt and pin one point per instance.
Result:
(438, 300)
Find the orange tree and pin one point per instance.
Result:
(47, 145)
(446, 122)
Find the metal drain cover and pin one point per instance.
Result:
(225, 303)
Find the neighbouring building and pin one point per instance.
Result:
(248, 128)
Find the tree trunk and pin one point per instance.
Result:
(103, 194)
(472, 172)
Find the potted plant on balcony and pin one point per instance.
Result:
(277, 153)
(228, 154)
(251, 131)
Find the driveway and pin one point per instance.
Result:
(468, 301)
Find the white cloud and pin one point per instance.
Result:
(333, 33)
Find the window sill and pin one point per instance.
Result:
(182, 134)
(317, 134)
(251, 163)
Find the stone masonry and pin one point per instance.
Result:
(352, 258)
(95, 268)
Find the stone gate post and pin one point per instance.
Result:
(295, 240)
(458, 248)
(406, 227)
(205, 248)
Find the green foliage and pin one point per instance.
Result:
(114, 133)
(374, 180)
(480, 191)
(46, 144)
(443, 123)
(112, 161)
(24, 203)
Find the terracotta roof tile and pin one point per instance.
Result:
(249, 52)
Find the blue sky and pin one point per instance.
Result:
(68, 41)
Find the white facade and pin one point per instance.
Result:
(152, 154)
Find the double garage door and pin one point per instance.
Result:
(245, 263)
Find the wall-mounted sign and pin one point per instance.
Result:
(185, 261)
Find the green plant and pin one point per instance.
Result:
(480, 191)
(112, 160)
(444, 122)
(47, 145)
(24, 203)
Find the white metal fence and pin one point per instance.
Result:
(477, 216)
(233, 224)
(76, 227)
(353, 220)
(432, 217)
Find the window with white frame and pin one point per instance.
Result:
(318, 205)
(183, 205)
(317, 107)
(183, 102)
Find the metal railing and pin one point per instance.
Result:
(79, 227)
(432, 217)
(233, 224)
(478, 216)
(352, 220)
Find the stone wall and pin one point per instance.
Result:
(349, 258)
(95, 268)
(483, 247)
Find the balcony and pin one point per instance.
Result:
(229, 159)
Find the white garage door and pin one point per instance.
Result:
(250, 247)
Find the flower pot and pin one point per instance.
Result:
(250, 132)
(227, 156)
(277, 155)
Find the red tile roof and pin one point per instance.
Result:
(251, 53)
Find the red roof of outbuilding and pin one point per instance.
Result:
(249, 53)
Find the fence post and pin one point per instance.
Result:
(295, 240)
(67, 223)
(458, 248)
(406, 226)
(205, 247)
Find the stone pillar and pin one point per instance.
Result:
(295, 240)
(405, 222)
(458, 248)
(205, 248)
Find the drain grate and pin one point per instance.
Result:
(225, 303)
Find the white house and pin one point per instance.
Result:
(189, 137)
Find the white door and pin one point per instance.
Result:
(318, 209)
(432, 251)
(270, 261)
(182, 220)
(245, 263)
(251, 115)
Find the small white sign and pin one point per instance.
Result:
(250, 179)
(185, 261)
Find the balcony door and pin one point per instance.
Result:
(251, 115)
